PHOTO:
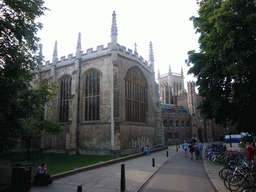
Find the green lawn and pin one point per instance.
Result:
(56, 163)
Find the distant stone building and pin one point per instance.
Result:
(181, 118)
(108, 100)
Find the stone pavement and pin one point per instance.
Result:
(137, 171)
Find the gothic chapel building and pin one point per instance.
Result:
(107, 100)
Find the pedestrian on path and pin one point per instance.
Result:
(191, 150)
(200, 145)
(250, 152)
(197, 151)
(185, 147)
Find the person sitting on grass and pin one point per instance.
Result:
(42, 177)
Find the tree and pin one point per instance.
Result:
(18, 46)
(226, 64)
(34, 102)
(36, 129)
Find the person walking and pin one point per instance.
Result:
(200, 145)
(250, 152)
(185, 147)
(191, 149)
(197, 151)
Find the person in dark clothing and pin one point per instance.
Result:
(42, 177)
(191, 150)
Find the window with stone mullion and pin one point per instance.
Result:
(92, 96)
(135, 95)
(65, 93)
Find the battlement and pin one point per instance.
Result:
(172, 73)
(134, 56)
(100, 51)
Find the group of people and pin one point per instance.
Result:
(192, 147)
(197, 147)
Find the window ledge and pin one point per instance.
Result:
(65, 123)
(90, 122)
(135, 123)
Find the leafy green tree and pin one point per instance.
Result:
(36, 129)
(34, 103)
(225, 67)
(18, 48)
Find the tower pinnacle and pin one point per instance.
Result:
(55, 54)
(78, 47)
(40, 54)
(151, 58)
(114, 32)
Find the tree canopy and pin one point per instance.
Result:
(225, 66)
(18, 58)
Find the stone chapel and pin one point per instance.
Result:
(108, 100)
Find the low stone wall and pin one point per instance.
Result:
(101, 164)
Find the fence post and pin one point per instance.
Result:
(167, 154)
(79, 188)
(122, 178)
(153, 162)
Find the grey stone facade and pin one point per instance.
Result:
(111, 134)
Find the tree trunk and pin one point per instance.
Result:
(28, 148)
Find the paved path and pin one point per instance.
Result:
(107, 179)
(183, 173)
(180, 174)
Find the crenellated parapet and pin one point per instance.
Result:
(93, 54)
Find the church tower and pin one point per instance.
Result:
(192, 106)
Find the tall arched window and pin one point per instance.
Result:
(165, 123)
(177, 123)
(188, 123)
(171, 123)
(135, 96)
(92, 96)
(182, 123)
(65, 93)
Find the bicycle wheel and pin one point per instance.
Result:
(226, 180)
(249, 189)
(223, 172)
(236, 182)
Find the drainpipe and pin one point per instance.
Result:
(78, 105)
